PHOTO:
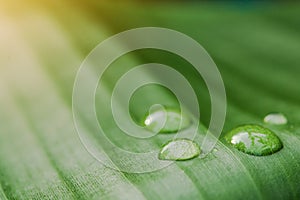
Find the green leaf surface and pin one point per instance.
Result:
(42, 157)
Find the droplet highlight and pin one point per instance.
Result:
(254, 140)
(162, 120)
(180, 150)
(276, 119)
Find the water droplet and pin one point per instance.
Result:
(254, 140)
(276, 119)
(166, 120)
(179, 149)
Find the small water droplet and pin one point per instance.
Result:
(254, 140)
(179, 149)
(166, 120)
(276, 119)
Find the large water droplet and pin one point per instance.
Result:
(179, 149)
(166, 120)
(255, 140)
(276, 119)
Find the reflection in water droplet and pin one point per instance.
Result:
(255, 140)
(166, 120)
(276, 118)
(179, 149)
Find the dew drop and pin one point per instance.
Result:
(276, 119)
(179, 149)
(166, 120)
(254, 140)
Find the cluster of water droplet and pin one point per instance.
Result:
(251, 139)
(168, 121)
